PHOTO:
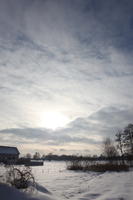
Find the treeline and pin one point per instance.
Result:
(87, 158)
(54, 157)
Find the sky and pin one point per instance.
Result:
(66, 73)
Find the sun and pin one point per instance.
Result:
(53, 120)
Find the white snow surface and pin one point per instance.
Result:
(54, 182)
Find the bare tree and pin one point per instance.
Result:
(128, 139)
(120, 145)
(36, 155)
(119, 140)
(109, 149)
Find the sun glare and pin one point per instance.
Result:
(53, 120)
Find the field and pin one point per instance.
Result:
(55, 182)
(65, 184)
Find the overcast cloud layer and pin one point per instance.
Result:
(74, 57)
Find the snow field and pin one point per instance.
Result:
(54, 182)
(65, 184)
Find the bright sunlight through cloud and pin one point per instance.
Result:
(53, 120)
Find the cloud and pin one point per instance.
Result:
(90, 130)
(46, 136)
(74, 57)
(104, 122)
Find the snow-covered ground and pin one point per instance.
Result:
(63, 184)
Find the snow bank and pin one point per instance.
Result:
(10, 193)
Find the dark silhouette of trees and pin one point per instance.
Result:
(119, 140)
(109, 149)
(124, 139)
(128, 139)
(28, 155)
(36, 156)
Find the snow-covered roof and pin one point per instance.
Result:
(8, 150)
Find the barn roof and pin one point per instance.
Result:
(8, 150)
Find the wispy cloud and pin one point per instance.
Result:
(74, 57)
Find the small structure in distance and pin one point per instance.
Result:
(9, 155)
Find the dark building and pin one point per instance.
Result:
(8, 155)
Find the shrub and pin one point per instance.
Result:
(107, 167)
(75, 165)
(20, 178)
(97, 167)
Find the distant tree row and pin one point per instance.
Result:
(36, 156)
